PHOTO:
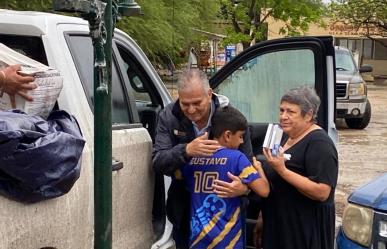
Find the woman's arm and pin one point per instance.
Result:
(313, 190)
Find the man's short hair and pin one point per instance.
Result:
(227, 118)
(188, 75)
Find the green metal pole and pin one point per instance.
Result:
(103, 136)
(101, 16)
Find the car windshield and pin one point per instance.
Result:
(344, 61)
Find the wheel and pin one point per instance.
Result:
(360, 123)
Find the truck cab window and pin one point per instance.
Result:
(139, 85)
(82, 53)
(29, 46)
(136, 82)
(266, 78)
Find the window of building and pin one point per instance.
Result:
(343, 43)
(358, 45)
(367, 49)
(352, 45)
(380, 50)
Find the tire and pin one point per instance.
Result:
(360, 123)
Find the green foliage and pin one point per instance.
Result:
(41, 5)
(361, 13)
(249, 17)
(234, 37)
(164, 29)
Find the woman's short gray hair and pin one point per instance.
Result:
(305, 97)
(188, 75)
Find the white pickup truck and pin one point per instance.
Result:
(254, 82)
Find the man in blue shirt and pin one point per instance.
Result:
(182, 133)
(216, 222)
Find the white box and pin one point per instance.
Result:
(273, 138)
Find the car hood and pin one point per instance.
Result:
(348, 76)
(372, 194)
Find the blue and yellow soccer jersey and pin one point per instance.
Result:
(216, 222)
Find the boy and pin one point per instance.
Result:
(216, 222)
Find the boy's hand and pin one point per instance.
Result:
(229, 189)
(202, 146)
(257, 164)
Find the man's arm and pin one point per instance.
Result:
(167, 156)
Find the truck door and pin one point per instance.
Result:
(255, 80)
(133, 179)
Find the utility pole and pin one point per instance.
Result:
(101, 16)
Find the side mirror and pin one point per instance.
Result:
(365, 68)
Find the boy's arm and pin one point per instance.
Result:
(260, 186)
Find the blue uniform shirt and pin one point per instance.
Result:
(216, 222)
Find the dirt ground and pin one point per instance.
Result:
(362, 153)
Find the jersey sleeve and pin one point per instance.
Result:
(322, 162)
(247, 172)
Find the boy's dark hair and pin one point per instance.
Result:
(227, 118)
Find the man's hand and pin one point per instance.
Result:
(202, 146)
(230, 189)
(14, 83)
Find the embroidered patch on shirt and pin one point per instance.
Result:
(179, 133)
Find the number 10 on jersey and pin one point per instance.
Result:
(204, 180)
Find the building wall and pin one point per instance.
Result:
(371, 52)
(379, 67)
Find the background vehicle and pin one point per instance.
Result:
(365, 217)
(254, 82)
(352, 103)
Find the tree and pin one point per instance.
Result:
(40, 5)
(164, 29)
(249, 17)
(368, 14)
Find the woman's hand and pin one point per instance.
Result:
(276, 162)
(309, 188)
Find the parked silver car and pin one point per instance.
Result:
(352, 103)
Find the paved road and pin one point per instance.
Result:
(362, 153)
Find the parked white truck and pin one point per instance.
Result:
(68, 221)
(254, 82)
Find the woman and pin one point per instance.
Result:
(300, 212)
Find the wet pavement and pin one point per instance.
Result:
(362, 153)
